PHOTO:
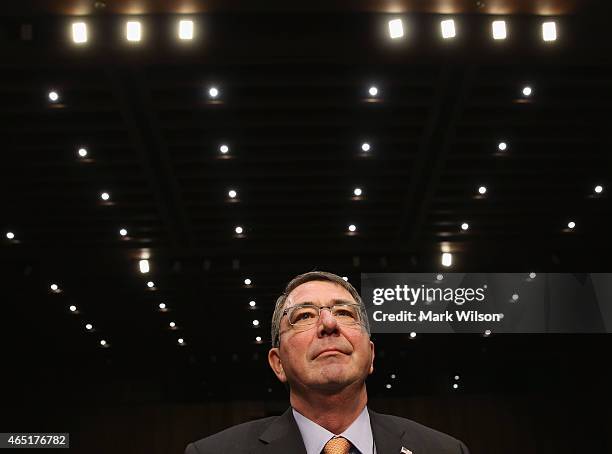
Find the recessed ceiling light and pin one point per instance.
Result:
(143, 265)
(549, 31)
(482, 190)
(185, 29)
(123, 232)
(73, 308)
(172, 325)
(352, 228)
(396, 28)
(79, 32)
(150, 284)
(53, 96)
(465, 226)
(527, 91)
(162, 305)
(232, 194)
(248, 281)
(447, 259)
(388, 386)
(224, 149)
(105, 196)
(412, 335)
(598, 189)
(499, 29)
(252, 303)
(448, 28)
(181, 341)
(532, 275)
(502, 146)
(571, 224)
(373, 91)
(255, 322)
(10, 235)
(345, 278)
(357, 192)
(133, 31)
(455, 386)
(54, 287)
(258, 339)
(89, 327)
(213, 92)
(365, 146)
(238, 230)
(82, 152)
(456, 377)
(103, 343)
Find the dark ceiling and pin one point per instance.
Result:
(294, 109)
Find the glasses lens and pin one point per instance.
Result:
(303, 315)
(345, 314)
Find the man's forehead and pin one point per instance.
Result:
(319, 292)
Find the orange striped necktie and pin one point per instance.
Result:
(337, 445)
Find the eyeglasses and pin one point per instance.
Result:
(304, 316)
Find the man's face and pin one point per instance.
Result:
(328, 356)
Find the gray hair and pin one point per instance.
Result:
(302, 279)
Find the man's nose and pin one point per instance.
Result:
(327, 322)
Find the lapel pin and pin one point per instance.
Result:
(405, 451)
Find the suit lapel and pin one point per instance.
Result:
(281, 437)
(389, 437)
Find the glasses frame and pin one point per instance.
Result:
(320, 308)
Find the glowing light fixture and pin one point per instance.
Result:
(105, 196)
(143, 265)
(499, 29)
(213, 92)
(571, 225)
(224, 149)
(185, 30)
(447, 259)
(252, 303)
(150, 284)
(352, 228)
(82, 152)
(502, 146)
(549, 31)
(53, 96)
(123, 232)
(232, 194)
(357, 192)
(527, 91)
(133, 31)
(255, 322)
(448, 29)
(79, 32)
(238, 230)
(373, 91)
(482, 190)
(598, 189)
(10, 235)
(396, 28)
(248, 281)
(365, 146)
(465, 226)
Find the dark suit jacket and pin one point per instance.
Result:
(280, 435)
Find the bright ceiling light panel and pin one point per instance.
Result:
(447, 259)
(448, 29)
(133, 31)
(79, 32)
(499, 29)
(549, 31)
(185, 30)
(396, 28)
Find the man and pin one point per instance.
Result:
(321, 349)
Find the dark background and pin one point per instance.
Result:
(294, 109)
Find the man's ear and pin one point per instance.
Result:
(372, 355)
(276, 364)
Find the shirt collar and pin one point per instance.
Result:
(359, 433)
